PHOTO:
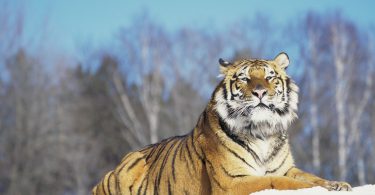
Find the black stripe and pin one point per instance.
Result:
(189, 153)
(103, 187)
(231, 112)
(118, 188)
(283, 85)
(134, 163)
(283, 111)
(131, 188)
(289, 170)
(123, 165)
(156, 146)
(287, 83)
(174, 159)
(280, 112)
(97, 188)
(236, 155)
(255, 132)
(276, 150)
(213, 174)
(218, 184)
(181, 151)
(166, 156)
(196, 151)
(154, 162)
(148, 147)
(236, 139)
(231, 91)
(156, 187)
(205, 117)
(211, 166)
(140, 187)
(152, 152)
(169, 187)
(185, 160)
(230, 175)
(282, 163)
(108, 181)
(161, 149)
(225, 93)
(146, 186)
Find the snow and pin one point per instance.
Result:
(360, 190)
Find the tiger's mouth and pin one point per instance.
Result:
(263, 105)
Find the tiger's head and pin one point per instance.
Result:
(256, 94)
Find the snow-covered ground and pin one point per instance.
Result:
(360, 190)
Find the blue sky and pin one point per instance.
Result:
(70, 23)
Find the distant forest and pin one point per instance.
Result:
(64, 124)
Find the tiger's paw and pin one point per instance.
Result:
(337, 186)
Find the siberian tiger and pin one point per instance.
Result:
(238, 146)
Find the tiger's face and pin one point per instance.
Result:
(257, 92)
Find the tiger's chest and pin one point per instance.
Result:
(270, 155)
(264, 148)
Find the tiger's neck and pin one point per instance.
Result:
(243, 134)
(213, 127)
(243, 127)
(251, 131)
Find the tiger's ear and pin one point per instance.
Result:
(224, 66)
(282, 60)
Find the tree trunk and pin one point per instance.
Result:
(314, 105)
(153, 120)
(339, 51)
(341, 121)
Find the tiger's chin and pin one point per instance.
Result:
(262, 115)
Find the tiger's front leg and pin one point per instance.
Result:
(307, 177)
(250, 184)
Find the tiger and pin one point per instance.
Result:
(238, 146)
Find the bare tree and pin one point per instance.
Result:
(349, 58)
(312, 60)
(146, 50)
(335, 48)
(134, 131)
(313, 39)
(356, 111)
(33, 120)
(340, 44)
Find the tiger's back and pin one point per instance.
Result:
(161, 168)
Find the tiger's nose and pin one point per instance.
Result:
(259, 93)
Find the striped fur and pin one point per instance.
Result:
(238, 146)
